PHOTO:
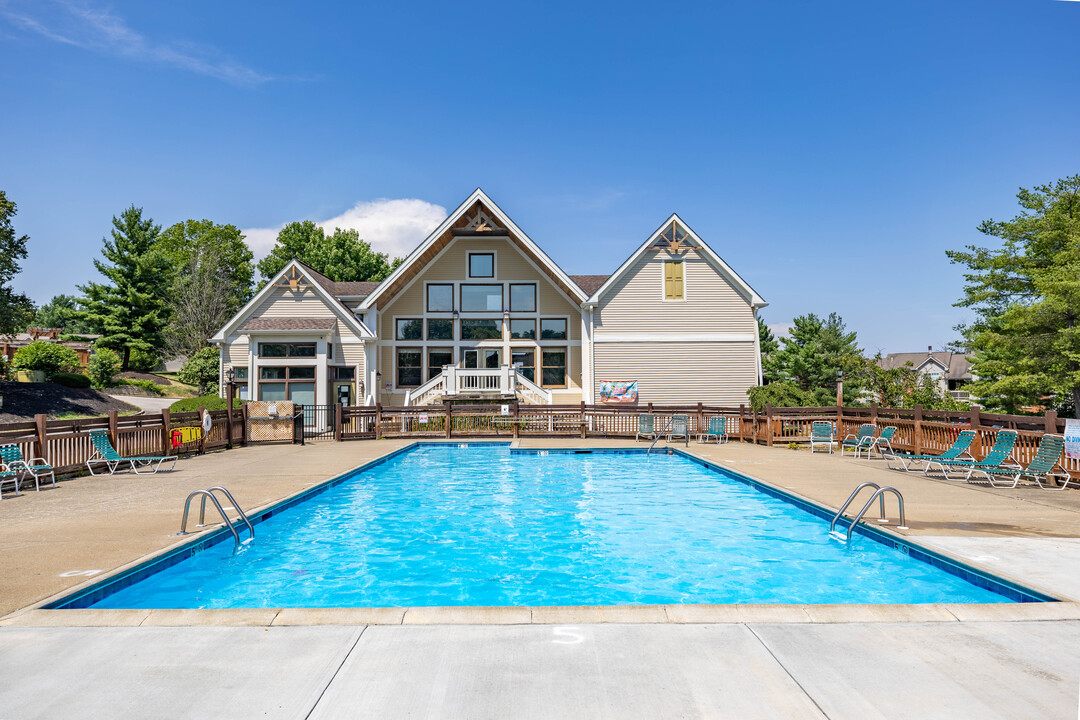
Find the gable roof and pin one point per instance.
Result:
(322, 286)
(707, 252)
(589, 283)
(449, 228)
(957, 366)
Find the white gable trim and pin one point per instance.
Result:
(446, 224)
(707, 252)
(331, 302)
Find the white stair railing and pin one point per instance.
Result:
(530, 391)
(428, 392)
(504, 381)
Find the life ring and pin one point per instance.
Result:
(207, 422)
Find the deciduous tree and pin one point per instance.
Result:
(190, 244)
(340, 256)
(62, 312)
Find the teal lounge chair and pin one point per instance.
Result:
(958, 451)
(821, 433)
(860, 441)
(1000, 456)
(105, 454)
(646, 427)
(717, 429)
(7, 476)
(679, 428)
(1040, 469)
(882, 442)
(12, 457)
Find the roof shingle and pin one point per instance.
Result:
(289, 323)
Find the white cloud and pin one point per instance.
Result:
(392, 226)
(81, 24)
(780, 330)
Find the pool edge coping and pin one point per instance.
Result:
(41, 614)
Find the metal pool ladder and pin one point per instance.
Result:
(661, 434)
(879, 495)
(209, 493)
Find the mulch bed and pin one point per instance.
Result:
(24, 400)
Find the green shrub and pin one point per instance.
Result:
(201, 370)
(143, 361)
(4, 368)
(46, 356)
(71, 380)
(210, 402)
(148, 385)
(103, 368)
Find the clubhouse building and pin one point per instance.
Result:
(479, 312)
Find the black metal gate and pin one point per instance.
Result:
(319, 421)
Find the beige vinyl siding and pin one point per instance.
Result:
(714, 373)
(635, 303)
(351, 354)
(237, 352)
(283, 302)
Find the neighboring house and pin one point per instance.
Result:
(83, 348)
(479, 311)
(951, 371)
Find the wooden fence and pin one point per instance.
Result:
(65, 444)
(917, 430)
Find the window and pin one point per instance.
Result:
(291, 350)
(525, 362)
(553, 329)
(287, 383)
(673, 280)
(440, 329)
(522, 329)
(408, 367)
(481, 329)
(523, 298)
(344, 373)
(481, 298)
(240, 377)
(440, 298)
(240, 373)
(411, 329)
(436, 358)
(554, 370)
(482, 265)
(329, 351)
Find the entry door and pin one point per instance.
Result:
(482, 358)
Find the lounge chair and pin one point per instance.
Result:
(679, 428)
(1000, 456)
(646, 427)
(717, 429)
(821, 433)
(858, 441)
(1040, 469)
(8, 476)
(958, 451)
(105, 454)
(11, 456)
(882, 442)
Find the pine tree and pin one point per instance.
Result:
(130, 310)
(15, 308)
(814, 355)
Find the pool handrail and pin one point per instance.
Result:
(660, 434)
(221, 510)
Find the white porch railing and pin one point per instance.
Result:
(504, 381)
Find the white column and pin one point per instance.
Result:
(321, 379)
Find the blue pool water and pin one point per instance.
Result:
(443, 525)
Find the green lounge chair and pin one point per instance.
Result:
(7, 476)
(882, 442)
(1040, 469)
(12, 457)
(717, 429)
(105, 454)
(646, 427)
(1000, 456)
(957, 451)
(858, 441)
(679, 428)
(821, 433)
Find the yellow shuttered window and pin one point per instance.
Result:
(673, 280)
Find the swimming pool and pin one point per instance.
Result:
(486, 525)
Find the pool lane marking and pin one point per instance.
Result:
(573, 637)
(77, 573)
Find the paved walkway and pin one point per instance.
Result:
(861, 671)
(146, 404)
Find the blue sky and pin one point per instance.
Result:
(830, 152)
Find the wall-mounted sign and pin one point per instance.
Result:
(618, 391)
(505, 409)
(1072, 439)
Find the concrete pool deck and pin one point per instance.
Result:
(986, 661)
